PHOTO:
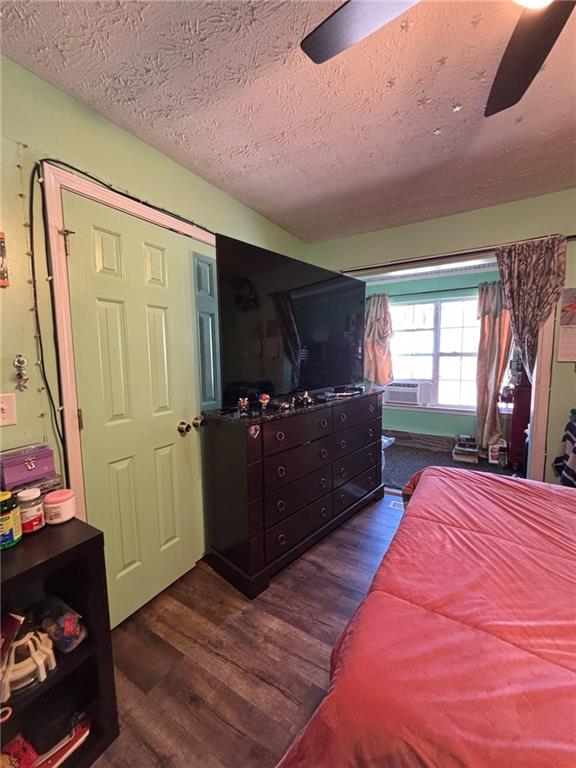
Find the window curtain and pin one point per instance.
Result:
(532, 274)
(493, 354)
(287, 323)
(377, 336)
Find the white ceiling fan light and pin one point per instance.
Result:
(533, 5)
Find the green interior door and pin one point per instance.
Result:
(135, 347)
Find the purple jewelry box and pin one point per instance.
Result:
(25, 465)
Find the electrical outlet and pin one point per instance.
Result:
(7, 410)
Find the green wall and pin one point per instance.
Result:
(40, 121)
(428, 423)
(533, 217)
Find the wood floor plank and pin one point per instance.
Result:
(209, 594)
(209, 679)
(233, 729)
(180, 627)
(151, 737)
(142, 655)
(301, 655)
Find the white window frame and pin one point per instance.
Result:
(436, 355)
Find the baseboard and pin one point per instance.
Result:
(442, 443)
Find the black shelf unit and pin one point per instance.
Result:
(68, 561)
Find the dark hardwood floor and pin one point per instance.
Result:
(209, 679)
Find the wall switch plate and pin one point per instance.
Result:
(7, 410)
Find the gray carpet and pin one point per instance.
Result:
(402, 462)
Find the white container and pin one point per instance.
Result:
(31, 509)
(59, 506)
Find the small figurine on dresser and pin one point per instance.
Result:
(304, 398)
(243, 405)
(264, 399)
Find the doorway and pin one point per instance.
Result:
(430, 407)
(132, 367)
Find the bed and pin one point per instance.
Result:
(463, 653)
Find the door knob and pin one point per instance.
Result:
(184, 428)
(198, 422)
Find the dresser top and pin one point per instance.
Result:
(257, 416)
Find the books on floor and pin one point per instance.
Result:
(466, 449)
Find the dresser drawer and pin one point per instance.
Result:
(294, 529)
(350, 440)
(356, 411)
(345, 469)
(283, 468)
(347, 494)
(286, 433)
(290, 498)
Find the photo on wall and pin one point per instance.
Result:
(567, 335)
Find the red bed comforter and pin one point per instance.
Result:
(463, 653)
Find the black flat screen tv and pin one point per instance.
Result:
(285, 325)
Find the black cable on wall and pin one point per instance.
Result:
(54, 409)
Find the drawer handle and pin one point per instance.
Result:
(343, 444)
(323, 423)
(371, 408)
(280, 505)
(324, 513)
(343, 417)
(370, 480)
(323, 453)
(323, 482)
(370, 433)
(342, 498)
(282, 540)
(280, 436)
(342, 472)
(370, 457)
(281, 471)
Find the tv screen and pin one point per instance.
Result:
(286, 325)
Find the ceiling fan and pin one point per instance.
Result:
(533, 38)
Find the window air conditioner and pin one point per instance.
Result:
(407, 393)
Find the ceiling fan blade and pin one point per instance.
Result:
(531, 42)
(349, 24)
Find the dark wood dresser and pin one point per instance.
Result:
(275, 484)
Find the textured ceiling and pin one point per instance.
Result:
(389, 132)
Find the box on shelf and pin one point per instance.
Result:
(21, 466)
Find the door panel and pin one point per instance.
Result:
(207, 331)
(135, 348)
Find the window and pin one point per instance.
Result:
(437, 341)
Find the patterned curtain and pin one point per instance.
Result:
(493, 353)
(533, 274)
(377, 335)
(287, 322)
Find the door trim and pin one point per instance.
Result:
(57, 180)
(541, 400)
